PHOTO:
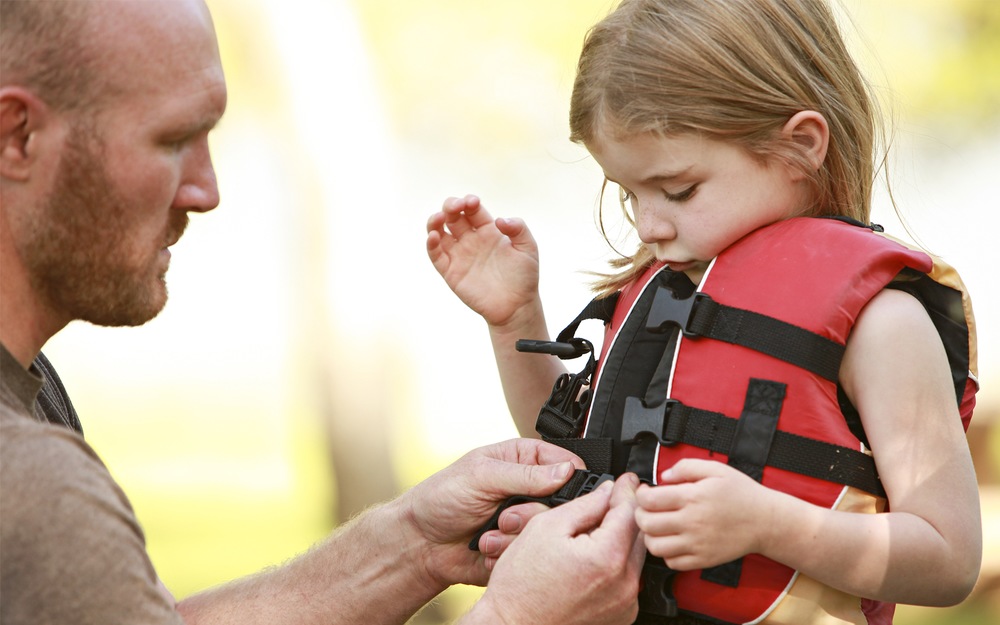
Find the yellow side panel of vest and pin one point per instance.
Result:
(808, 601)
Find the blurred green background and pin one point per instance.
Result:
(311, 362)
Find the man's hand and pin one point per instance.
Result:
(447, 508)
(575, 564)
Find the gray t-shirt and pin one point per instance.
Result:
(71, 549)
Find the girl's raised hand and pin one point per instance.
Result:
(491, 264)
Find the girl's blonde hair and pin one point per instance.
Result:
(735, 71)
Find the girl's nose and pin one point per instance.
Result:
(652, 225)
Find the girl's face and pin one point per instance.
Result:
(693, 197)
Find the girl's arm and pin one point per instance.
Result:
(926, 550)
(492, 265)
(527, 378)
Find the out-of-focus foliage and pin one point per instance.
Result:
(941, 59)
(495, 56)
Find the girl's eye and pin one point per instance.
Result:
(682, 196)
(624, 195)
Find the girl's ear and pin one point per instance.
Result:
(810, 131)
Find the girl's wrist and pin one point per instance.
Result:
(528, 321)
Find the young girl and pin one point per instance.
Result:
(762, 339)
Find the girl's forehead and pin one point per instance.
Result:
(649, 143)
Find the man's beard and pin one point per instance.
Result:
(80, 256)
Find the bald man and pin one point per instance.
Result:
(105, 112)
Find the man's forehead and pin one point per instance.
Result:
(154, 33)
(157, 45)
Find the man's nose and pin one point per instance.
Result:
(199, 189)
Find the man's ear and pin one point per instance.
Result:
(810, 131)
(22, 116)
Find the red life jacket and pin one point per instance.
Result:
(748, 376)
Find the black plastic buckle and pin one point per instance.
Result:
(562, 414)
(638, 419)
(578, 485)
(668, 310)
(657, 593)
(590, 482)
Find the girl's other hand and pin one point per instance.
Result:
(491, 264)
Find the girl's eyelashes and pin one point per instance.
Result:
(681, 196)
(625, 196)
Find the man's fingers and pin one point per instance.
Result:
(624, 490)
(493, 543)
(513, 519)
(620, 519)
(547, 453)
(504, 479)
(580, 515)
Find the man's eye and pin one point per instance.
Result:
(682, 196)
(173, 144)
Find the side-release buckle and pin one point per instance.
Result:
(563, 413)
(639, 420)
(657, 594)
(579, 484)
(668, 310)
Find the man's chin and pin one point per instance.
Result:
(132, 311)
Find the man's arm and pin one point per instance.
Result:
(368, 571)
(387, 563)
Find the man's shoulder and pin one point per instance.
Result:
(72, 547)
(25, 440)
(50, 470)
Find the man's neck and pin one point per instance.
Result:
(26, 323)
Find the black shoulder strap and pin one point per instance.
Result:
(700, 315)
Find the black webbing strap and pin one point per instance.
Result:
(596, 453)
(562, 415)
(601, 308)
(756, 427)
(755, 430)
(674, 422)
(700, 315)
